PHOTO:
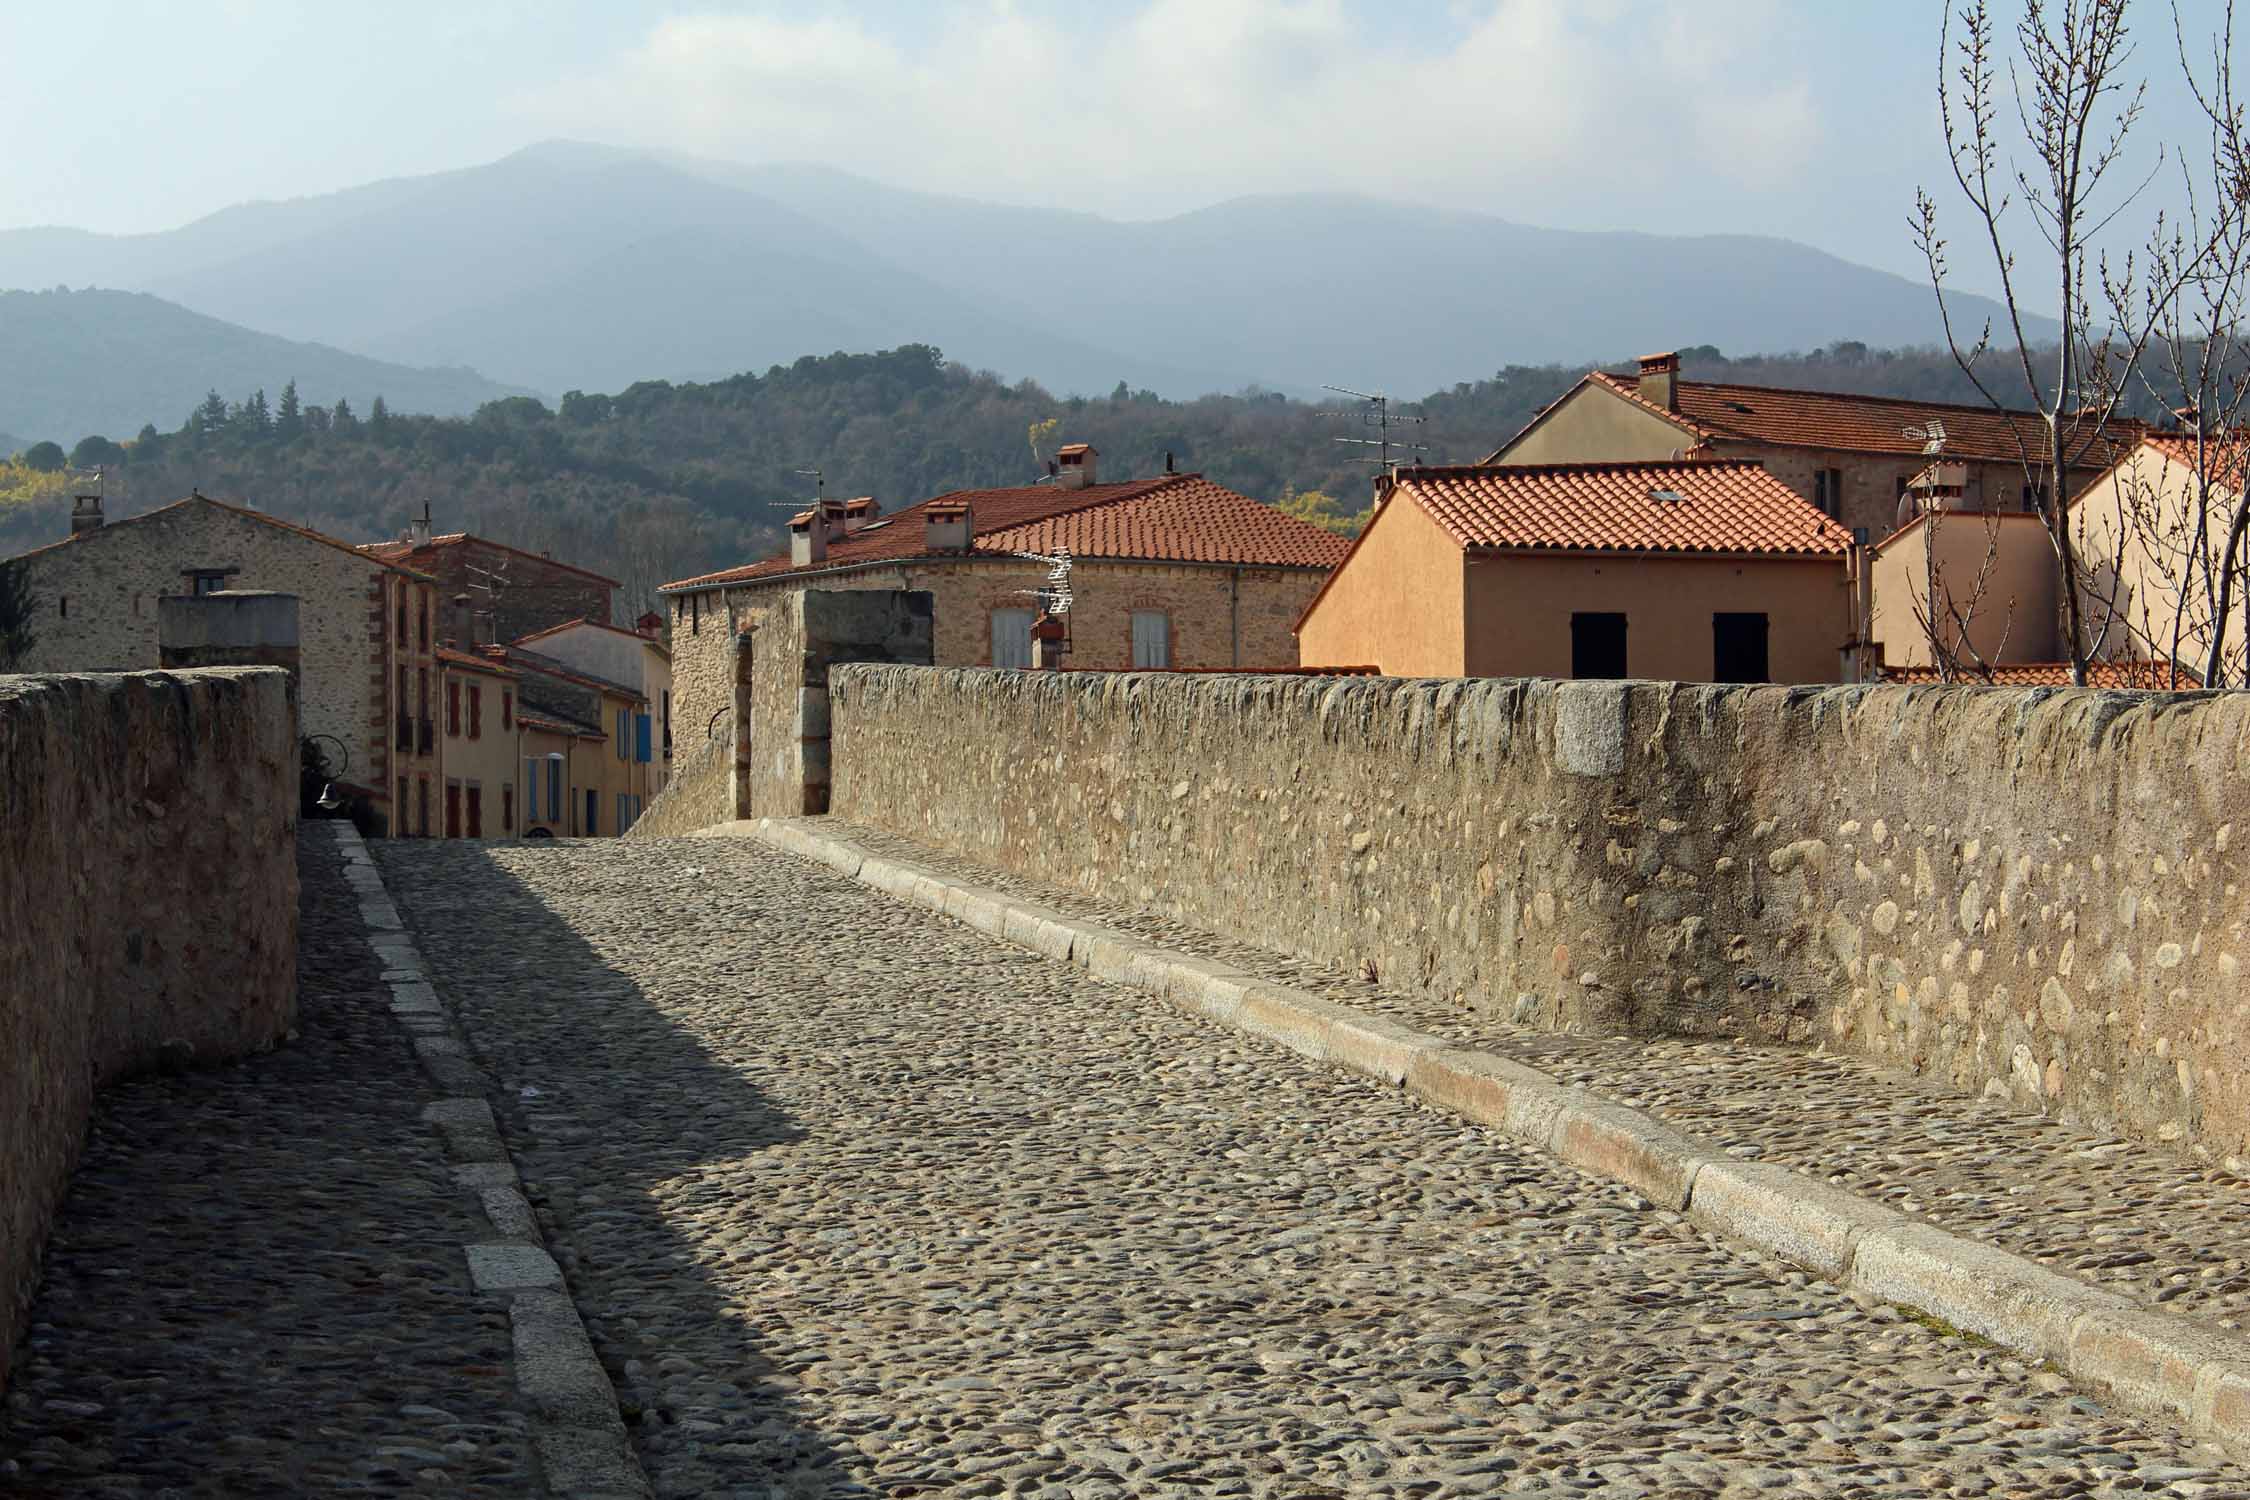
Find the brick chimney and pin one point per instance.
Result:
(946, 526)
(1660, 380)
(808, 539)
(1075, 464)
(85, 513)
(858, 513)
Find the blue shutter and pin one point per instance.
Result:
(641, 738)
(530, 790)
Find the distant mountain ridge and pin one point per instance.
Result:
(74, 363)
(569, 265)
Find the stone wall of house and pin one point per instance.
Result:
(148, 907)
(700, 793)
(2036, 895)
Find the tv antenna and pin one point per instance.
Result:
(819, 482)
(1055, 597)
(1375, 411)
(492, 583)
(1931, 435)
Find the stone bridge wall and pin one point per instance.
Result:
(148, 906)
(2033, 894)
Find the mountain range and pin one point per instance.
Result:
(571, 266)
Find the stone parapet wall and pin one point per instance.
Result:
(148, 906)
(2036, 895)
(700, 793)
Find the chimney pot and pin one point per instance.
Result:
(808, 539)
(1660, 380)
(85, 513)
(1076, 465)
(859, 512)
(947, 526)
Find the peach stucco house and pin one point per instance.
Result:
(1698, 572)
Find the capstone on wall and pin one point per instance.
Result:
(148, 906)
(2037, 895)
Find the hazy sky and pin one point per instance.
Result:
(1813, 119)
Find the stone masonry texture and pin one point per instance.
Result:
(148, 906)
(859, 1202)
(2034, 895)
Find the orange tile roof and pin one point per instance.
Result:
(455, 658)
(1173, 517)
(2142, 675)
(392, 551)
(1847, 422)
(2222, 455)
(1733, 506)
(540, 635)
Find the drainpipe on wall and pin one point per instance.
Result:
(1234, 618)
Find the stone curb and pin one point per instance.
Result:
(584, 1451)
(2150, 1362)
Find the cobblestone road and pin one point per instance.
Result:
(858, 1202)
(256, 1285)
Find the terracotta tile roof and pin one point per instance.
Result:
(1733, 506)
(1173, 517)
(455, 658)
(394, 551)
(547, 666)
(554, 724)
(2114, 675)
(247, 514)
(1846, 422)
(2223, 456)
(540, 635)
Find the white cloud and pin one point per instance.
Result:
(1546, 110)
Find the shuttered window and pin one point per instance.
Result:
(1152, 638)
(1011, 638)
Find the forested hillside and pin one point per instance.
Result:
(660, 480)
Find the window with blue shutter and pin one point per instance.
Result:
(530, 788)
(642, 737)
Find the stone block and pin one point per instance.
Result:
(1627, 1146)
(508, 1267)
(1800, 1219)
(484, 1174)
(1377, 1045)
(2151, 1361)
(1521, 1102)
(1035, 927)
(1976, 1287)
(974, 906)
(1108, 956)
(1219, 997)
(556, 1369)
(509, 1212)
(2222, 1404)
(1297, 1020)
(589, 1463)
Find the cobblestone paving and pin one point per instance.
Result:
(858, 1202)
(2156, 1225)
(256, 1286)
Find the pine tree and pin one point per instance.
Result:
(289, 421)
(257, 417)
(210, 417)
(379, 419)
(342, 419)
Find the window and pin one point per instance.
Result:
(476, 712)
(1597, 645)
(453, 809)
(398, 810)
(642, 749)
(507, 708)
(453, 709)
(624, 734)
(209, 583)
(1011, 637)
(667, 721)
(1828, 491)
(1738, 648)
(593, 812)
(422, 806)
(507, 809)
(1152, 638)
(62, 605)
(554, 788)
(2035, 498)
(402, 617)
(531, 789)
(428, 608)
(476, 810)
(624, 811)
(422, 691)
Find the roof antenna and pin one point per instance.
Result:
(1168, 461)
(1375, 411)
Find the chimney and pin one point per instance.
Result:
(808, 539)
(85, 514)
(1076, 465)
(2186, 418)
(946, 526)
(1660, 380)
(858, 513)
(650, 624)
(418, 529)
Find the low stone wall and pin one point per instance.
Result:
(700, 793)
(148, 906)
(2035, 894)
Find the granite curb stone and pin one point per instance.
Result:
(576, 1428)
(2149, 1361)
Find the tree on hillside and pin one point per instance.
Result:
(17, 609)
(342, 419)
(1322, 510)
(289, 418)
(96, 452)
(378, 419)
(210, 417)
(2070, 91)
(45, 457)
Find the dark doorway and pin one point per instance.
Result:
(1597, 645)
(1738, 648)
(453, 810)
(593, 812)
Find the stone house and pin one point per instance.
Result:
(1851, 457)
(636, 658)
(534, 592)
(1172, 571)
(1698, 572)
(368, 628)
(588, 747)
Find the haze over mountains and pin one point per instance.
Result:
(567, 266)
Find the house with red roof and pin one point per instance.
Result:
(490, 591)
(1851, 457)
(1696, 572)
(1171, 571)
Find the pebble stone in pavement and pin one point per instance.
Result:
(2154, 1224)
(256, 1287)
(858, 1202)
